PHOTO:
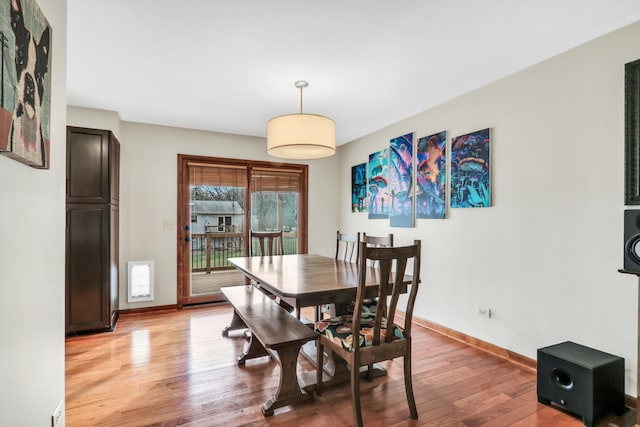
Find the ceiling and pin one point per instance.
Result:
(230, 66)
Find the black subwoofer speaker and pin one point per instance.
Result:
(632, 240)
(587, 382)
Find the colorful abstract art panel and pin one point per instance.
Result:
(401, 181)
(470, 170)
(359, 188)
(378, 173)
(431, 176)
(25, 83)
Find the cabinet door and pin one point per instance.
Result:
(114, 261)
(88, 286)
(114, 169)
(88, 179)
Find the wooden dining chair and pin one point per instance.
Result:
(346, 251)
(378, 241)
(269, 242)
(378, 337)
(347, 247)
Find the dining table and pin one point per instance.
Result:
(310, 280)
(307, 279)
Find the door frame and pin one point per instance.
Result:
(183, 215)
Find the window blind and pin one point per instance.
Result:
(217, 175)
(279, 180)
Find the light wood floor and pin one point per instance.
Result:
(174, 368)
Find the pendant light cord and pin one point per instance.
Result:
(301, 84)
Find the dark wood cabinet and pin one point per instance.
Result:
(92, 246)
(93, 165)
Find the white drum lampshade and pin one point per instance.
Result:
(301, 136)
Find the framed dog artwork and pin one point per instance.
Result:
(25, 83)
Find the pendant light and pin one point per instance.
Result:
(301, 136)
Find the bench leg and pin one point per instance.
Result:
(289, 391)
(252, 349)
(236, 323)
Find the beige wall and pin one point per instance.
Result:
(32, 218)
(148, 177)
(545, 256)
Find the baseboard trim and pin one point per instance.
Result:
(631, 402)
(522, 361)
(148, 309)
(511, 356)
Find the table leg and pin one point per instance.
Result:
(289, 391)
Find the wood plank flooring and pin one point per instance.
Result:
(174, 368)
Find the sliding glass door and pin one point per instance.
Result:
(275, 197)
(220, 200)
(217, 204)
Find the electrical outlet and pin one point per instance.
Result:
(484, 312)
(167, 224)
(56, 418)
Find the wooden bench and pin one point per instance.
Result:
(274, 332)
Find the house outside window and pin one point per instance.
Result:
(216, 216)
(224, 223)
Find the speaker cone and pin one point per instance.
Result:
(633, 247)
(562, 379)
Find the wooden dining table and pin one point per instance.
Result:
(309, 281)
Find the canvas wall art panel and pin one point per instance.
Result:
(359, 188)
(25, 83)
(378, 177)
(470, 170)
(431, 176)
(401, 181)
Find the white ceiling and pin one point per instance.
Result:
(230, 66)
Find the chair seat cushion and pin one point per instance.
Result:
(340, 330)
(369, 306)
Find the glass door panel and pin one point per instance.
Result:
(275, 203)
(217, 205)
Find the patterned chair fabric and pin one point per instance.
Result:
(369, 306)
(340, 330)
